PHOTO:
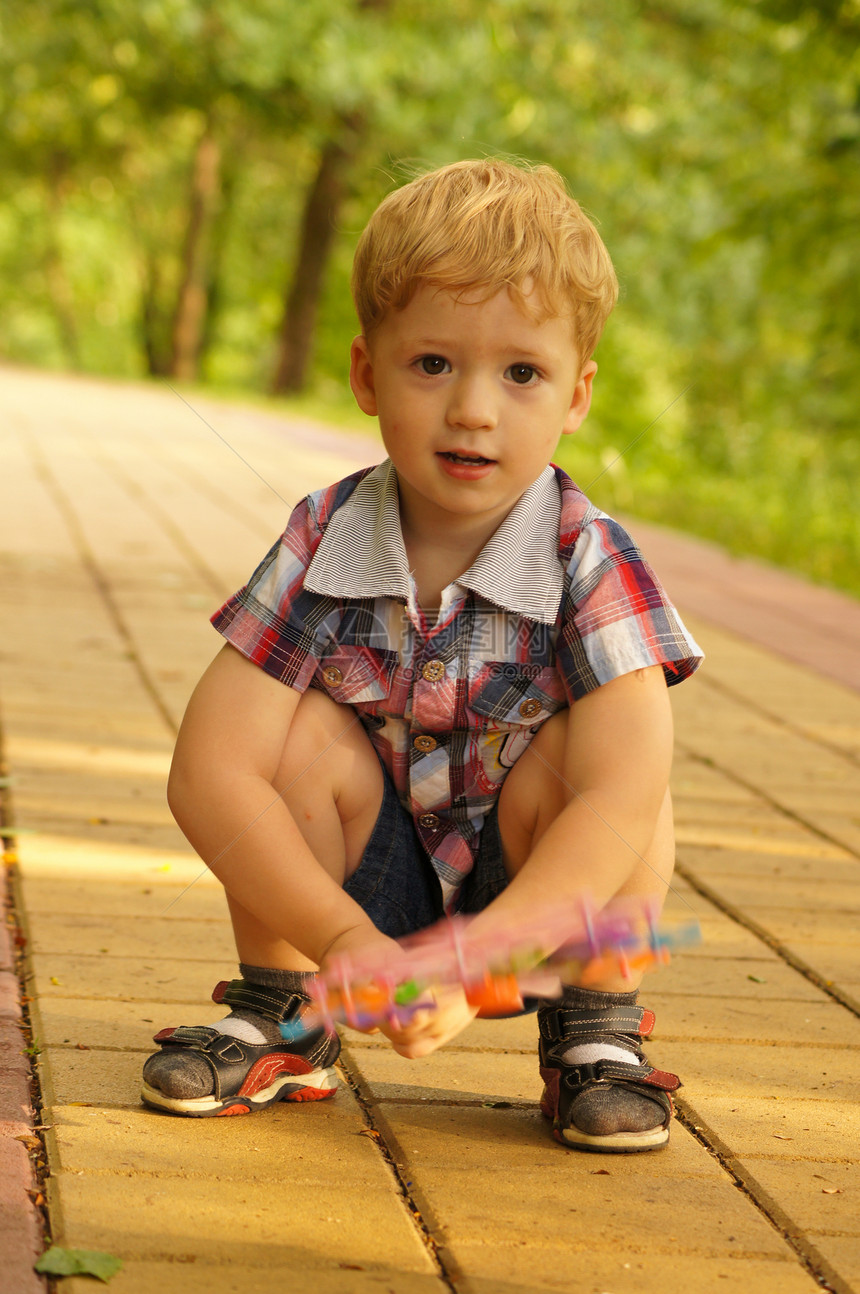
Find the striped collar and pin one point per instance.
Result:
(361, 554)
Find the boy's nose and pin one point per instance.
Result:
(472, 405)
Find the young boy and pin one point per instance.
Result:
(445, 688)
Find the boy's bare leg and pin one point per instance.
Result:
(331, 781)
(534, 793)
(592, 1116)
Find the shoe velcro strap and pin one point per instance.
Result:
(618, 1072)
(663, 1079)
(275, 1004)
(199, 1036)
(221, 1046)
(568, 1022)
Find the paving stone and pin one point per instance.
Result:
(785, 1128)
(783, 870)
(199, 1277)
(86, 854)
(516, 1266)
(817, 1197)
(267, 1222)
(10, 998)
(565, 1193)
(57, 975)
(841, 1254)
(68, 1076)
(321, 1142)
(738, 1019)
(20, 1224)
(824, 927)
(751, 979)
(112, 1025)
(452, 1134)
(448, 1075)
(770, 1071)
(722, 937)
(141, 896)
(14, 1074)
(128, 937)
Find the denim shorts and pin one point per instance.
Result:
(395, 882)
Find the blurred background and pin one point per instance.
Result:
(183, 182)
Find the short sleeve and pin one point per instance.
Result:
(616, 617)
(274, 621)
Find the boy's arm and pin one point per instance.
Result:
(617, 761)
(222, 795)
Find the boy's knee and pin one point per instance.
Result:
(534, 792)
(320, 725)
(329, 740)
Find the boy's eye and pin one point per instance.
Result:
(432, 364)
(522, 374)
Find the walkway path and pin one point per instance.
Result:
(126, 515)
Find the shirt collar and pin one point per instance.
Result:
(362, 555)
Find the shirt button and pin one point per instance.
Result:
(425, 743)
(530, 708)
(428, 820)
(434, 670)
(332, 676)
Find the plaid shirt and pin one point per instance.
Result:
(559, 602)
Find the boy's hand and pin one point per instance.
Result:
(363, 941)
(432, 1027)
(429, 1028)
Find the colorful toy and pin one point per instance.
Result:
(529, 960)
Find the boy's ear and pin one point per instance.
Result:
(581, 402)
(361, 376)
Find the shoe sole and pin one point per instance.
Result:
(317, 1086)
(616, 1143)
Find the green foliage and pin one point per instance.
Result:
(716, 141)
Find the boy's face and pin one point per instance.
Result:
(472, 397)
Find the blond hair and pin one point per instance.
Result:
(483, 226)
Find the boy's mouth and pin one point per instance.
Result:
(473, 460)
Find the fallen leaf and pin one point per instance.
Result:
(782, 1136)
(831, 1190)
(78, 1262)
(368, 1132)
(32, 1143)
(600, 1172)
(756, 979)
